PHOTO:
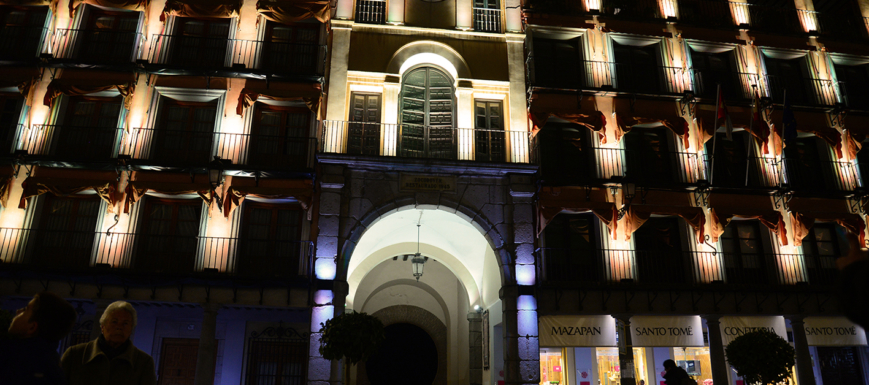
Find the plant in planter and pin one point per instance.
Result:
(761, 357)
(355, 336)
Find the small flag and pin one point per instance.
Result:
(758, 124)
(724, 116)
(789, 123)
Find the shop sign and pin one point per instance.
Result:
(575, 331)
(833, 331)
(651, 331)
(410, 182)
(733, 327)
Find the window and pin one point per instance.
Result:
(570, 253)
(853, 81)
(370, 11)
(291, 48)
(659, 251)
(10, 111)
(787, 74)
(561, 150)
(557, 63)
(200, 42)
(65, 232)
(271, 240)
(487, 15)
(427, 114)
(712, 69)
(168, 236)
(22, 32)
(648, 156)
(733, 158)
(825, 243)
(742, 249)
(185, 132)
(637, 68)
(489, 143)
(277, 361)
(805, 165)
(108, 36)
(89, 129)
(363, 137)
(279, 137)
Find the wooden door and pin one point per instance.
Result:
(363, 137)
(178, 361)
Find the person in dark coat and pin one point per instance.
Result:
(30, 356)
(674, 374)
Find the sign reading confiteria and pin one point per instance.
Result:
(567, 331)
(733, 327)
(833, 331)
(651, 331)
(407, 182)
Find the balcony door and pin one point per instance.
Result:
(570, 253)
(557, 63)
(855, 82)
(64, 237)
(742, 248)
(200, 42)
(806, 169)
(10, 111)
(270, 240)
(363, 135)
(489, 140)
(89, 129)
(427, 114)
(731, 159)
(279, 137)
(825, 243)
(563, 152)
(22, 31)
(659, 251)
(637, 68)
(647, 152)
(291, 48)
(185, 132)
(168, 235)
(787, 77)
(712, 69)
(109, 36)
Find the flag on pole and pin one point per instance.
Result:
(789, 123)
(758, 124)
(723, 115)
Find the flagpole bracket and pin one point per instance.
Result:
(857, 201)
(701, 194)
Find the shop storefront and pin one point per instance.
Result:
(657, 339)
(733, 327)
(838, 349)
(576, 350)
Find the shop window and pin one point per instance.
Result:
(427, 114)
(64, 235)
(270, 240)
(638, 68)
(570, 252)
(648, 156)
(552, 369)
(557, 63)
(279, 137)
(853, 80)
(363, 137)
(291, 48)
(825, 243)
(200, 42)
(10, 111)
(168, 234)
(23, 29)
(840, 365)
(89, 129)
(712, 69)
(107, 36)
(563, 153)
(185, 132)
(608, 367)
(696, 362)
(658, 252)
(489, 143)
(743, 252)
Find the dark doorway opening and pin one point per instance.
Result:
(407, 357)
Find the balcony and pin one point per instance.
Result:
(813, 175)
(734, 85)
(803, 92)
(625, 77)
(648, 168)
(193, 52)
(753, 172)
(96, 46)
(631, 9)
(70, 143)
(278, 57)
(706, 13)
(371, 11)
(773, 19)
(83, 252)
(414, 141)
(21, 43)
(854, 96)
(487, 20)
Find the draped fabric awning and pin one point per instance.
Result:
(46, 180)
(726, 206)
(136, 190)
(805, 211)
(306, 93)
(554, 200)
(6, 180)
(289, 11)
(858, 129)
(740, 117)
(569, 108)
(23, 79)
(665, 113)
(816, 123)
(240, 188)
(52, 4)
(664, 203)
(130, 5)
(201, 8)
(80, 87)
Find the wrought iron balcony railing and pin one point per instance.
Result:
(70, 142)
(707, 13)
(734, 85)
(371, 11)
(21, 43)
(487, 20)
(83, 251)
(278, 57)
(627, 77)
(96, 46)
(631, 9)
(190, 51)
(820, 175)
(647, 167)
(774, 19)
(841, 26)
(753, 172)
(806, 92)
(433, 142)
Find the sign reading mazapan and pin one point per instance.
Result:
(427, 183)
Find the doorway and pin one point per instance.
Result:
(408, 356)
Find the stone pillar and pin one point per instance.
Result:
(465, 119)
(334, 131)
(464, 14)
(207, 346)
(521, 346)
(513, 15)
(475, 348)
(395, 13)
(516, 111)
(626, 350)
(320, 370)
(805, 373)
(716, 349)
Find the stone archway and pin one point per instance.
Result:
(425, 321)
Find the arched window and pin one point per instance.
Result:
(427, 114)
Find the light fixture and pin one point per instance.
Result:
(630, 191)
(215, 172)
(418, 260)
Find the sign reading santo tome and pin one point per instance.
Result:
(657, 331)
(410, 182)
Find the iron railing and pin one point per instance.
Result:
(820, 175)
(627, 77)
(71, 142)
(631, 9)
(774, 19)
(707, 13)
(751, 172)
(190, 51)
(96, 46)
(841, 26)
(415, 141)
(734, 85)
(487, 20)
(813, 92)
(278, 57)
(647, 167)
(169, 146)
(562, 156)
(371, 11)
(854, 96)
(820, 269)
(21, 42)
(170, 254)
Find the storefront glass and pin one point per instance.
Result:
(608, 365)
(552, 366)
(696, 362)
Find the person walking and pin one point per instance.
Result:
(673, 374)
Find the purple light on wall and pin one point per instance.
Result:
(525, 275)
(527, 317)
(324, 268)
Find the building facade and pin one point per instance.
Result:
(538, 191)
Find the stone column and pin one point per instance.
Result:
(521, 346)
(516, 112)
(716, 349)
(805, 373)
(475, 348)
(626, 350)
(207, 346)
(464, 14)
(334, 130)
(395, 13)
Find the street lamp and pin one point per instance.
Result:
(418, 261)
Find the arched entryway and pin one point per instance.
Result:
(407, 357)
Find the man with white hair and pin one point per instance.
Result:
(111, 358)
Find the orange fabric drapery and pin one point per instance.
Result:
(240, 188)
(289, 11)
(726, 206)
(35, 185)
(25, 80)
(816, 123)
(130, 5)
(740, 117)
(77, 87)
(665, 113)
(248, 96)
(201, 8)
(664, 203)
(804, 212)
(137, 189)
(555, 200)
(858, 129)
(569, 108)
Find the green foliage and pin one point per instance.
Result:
(761, 357)
(356, 336)
(5, 321)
